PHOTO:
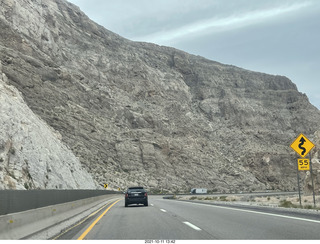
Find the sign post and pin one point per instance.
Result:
(302, 145)
(314, 197)
(298, 178)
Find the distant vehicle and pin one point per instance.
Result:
(198, 191)
(136, 195)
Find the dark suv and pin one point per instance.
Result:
(136, 195)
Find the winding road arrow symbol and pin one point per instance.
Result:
(302, 141)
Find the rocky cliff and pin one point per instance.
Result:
(32, 155)
(139, 113)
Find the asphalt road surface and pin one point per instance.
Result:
(167, 219)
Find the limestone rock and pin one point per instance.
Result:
(32, 155)
(315, 161)
(139, 113)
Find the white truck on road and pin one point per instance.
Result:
(198, 191)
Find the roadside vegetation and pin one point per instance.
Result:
(272, 201)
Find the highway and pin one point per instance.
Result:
(167, 219)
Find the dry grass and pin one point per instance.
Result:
(291, 201)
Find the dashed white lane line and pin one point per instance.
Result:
(192, 226)
(187, 223)
(151, 204)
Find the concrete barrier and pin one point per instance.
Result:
(12, 201)
(29, 224)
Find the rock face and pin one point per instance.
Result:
(315, 161)
(32, 155)
(138, 113)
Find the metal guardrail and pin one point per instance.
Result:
(12, 201)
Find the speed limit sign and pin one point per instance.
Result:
(303, 164)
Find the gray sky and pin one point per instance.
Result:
(279, 37)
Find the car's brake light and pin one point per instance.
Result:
(126, 195)
(145, 194)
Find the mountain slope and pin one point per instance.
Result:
(139, 113)
(32, 155)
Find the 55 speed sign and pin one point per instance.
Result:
(303, 164)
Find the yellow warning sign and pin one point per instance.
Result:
(303, 164)
(302, 145)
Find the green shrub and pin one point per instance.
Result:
(287, 204)
(308, 207)
(26, 185)
(223, 198)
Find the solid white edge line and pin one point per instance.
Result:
(262, 213)
(192, 226)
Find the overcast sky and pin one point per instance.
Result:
(279, 37)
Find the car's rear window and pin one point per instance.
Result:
(136, 190)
